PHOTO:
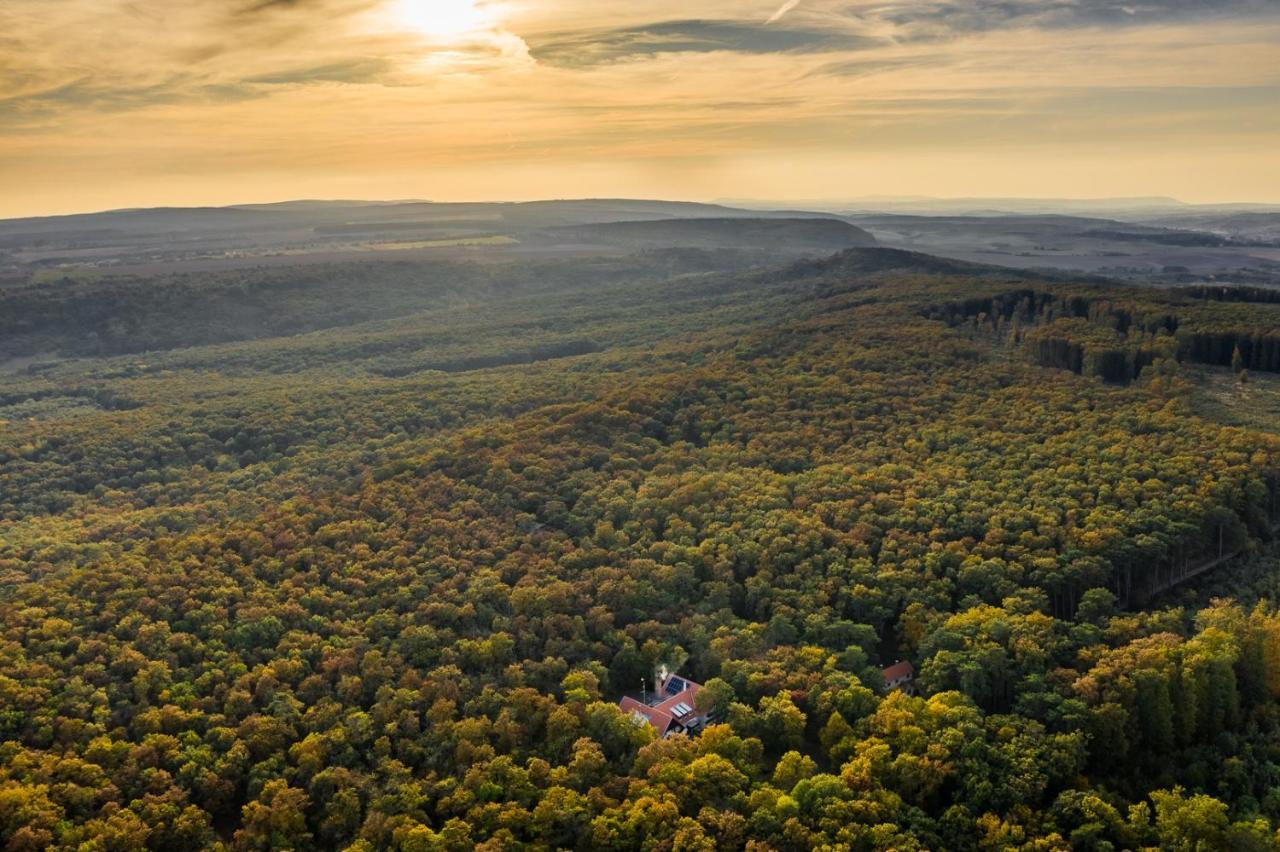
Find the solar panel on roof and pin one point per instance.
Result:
(682, 709)
(675, 686)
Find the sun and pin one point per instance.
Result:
(442, 19)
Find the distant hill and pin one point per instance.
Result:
(178, 235)
(1154, 251)
(311, 214)
(1254, 226)
(112, 314)
(1173, 245)
(869, 261)
(789, 234)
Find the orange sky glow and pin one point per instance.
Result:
(119, 103)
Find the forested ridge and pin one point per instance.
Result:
(381, 586)
(115, 313)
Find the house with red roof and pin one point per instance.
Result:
(670, 710)
(901, 676)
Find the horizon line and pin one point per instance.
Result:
(779, 203)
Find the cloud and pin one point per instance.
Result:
(328, 7)
(354, 71)
(859, 68)
(844, 26)
(971, 16)
(596, 47)
(268, 5)
(86, 93)
(783, 11)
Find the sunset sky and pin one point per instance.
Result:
(113, 103)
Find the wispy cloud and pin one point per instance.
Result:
(366, 70)
(860, 68)
(783, 10)
(311, 7)
(965, 16)
(593, 47)
(87, 93)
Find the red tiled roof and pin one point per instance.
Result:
(898, 671)
(686, 697)
(660, 719)
(663, 715)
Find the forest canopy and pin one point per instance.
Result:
(381, 585)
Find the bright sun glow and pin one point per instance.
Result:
(442, 19)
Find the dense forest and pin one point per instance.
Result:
(93, 314)
(381, 585)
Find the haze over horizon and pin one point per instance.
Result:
(112, 104)
(968, 204)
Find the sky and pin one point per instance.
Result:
(127, 103)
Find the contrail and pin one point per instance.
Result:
(782, 12)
